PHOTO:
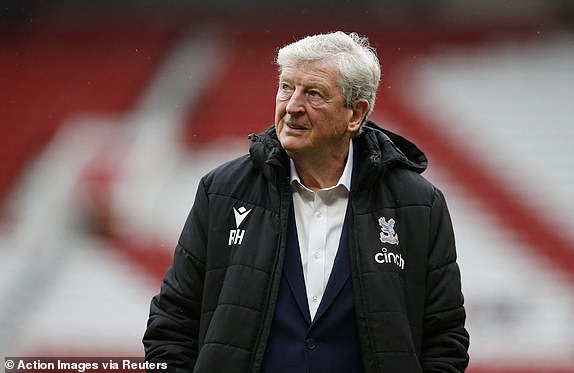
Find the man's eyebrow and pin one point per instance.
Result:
(313, 84)
(324, 88)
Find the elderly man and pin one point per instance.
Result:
(324, 249)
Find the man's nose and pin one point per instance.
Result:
(295, 104)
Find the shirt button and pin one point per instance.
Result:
(318, 214)
(315, 298)
(317, 255)
(310, 344)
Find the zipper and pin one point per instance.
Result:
(273, 289)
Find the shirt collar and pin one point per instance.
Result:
(344, 180)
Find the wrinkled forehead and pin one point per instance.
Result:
(325, 69)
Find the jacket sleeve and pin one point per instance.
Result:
(445, 339)
(172, 330)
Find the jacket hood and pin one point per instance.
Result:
(378, 149)
(385, 147)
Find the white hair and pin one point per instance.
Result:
(356, 59)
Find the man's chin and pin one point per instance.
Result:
(291, 146)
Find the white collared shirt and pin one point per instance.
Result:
(319, 217)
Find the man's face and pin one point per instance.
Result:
(310, 116)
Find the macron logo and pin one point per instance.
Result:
(236, 235)
(240, 215)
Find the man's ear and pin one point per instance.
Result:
(360, 110)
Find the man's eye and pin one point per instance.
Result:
(314, 93)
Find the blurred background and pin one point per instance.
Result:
(110, 112)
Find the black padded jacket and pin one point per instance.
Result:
(215, 308)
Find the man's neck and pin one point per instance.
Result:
(321, 172)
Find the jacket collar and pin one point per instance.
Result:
(376, 149)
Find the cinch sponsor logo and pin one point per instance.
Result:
(385, 257)
(236, 235)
